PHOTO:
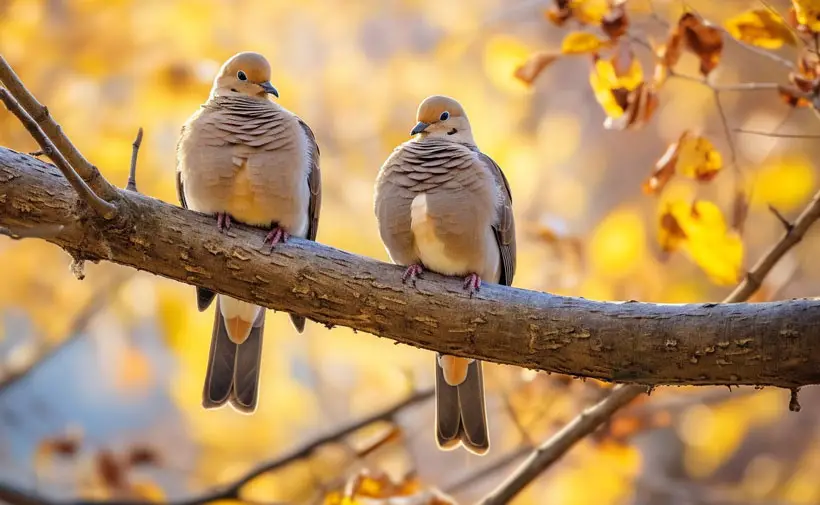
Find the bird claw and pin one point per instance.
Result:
(472, 283)
(276, 236)
(223, 221)
(412, 273)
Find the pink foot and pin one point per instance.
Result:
(412, 273)
(472, 283)
(223, 221)
(276, 236)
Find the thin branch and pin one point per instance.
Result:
(15, 496)
(787, 225)
(776, 135)
(789, 239)
(39, 113)
(132, 175)
(553, 449)
(99, 205)
(75, 330)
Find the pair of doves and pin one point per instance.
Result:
(441, 205)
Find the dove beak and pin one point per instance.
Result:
(268, 87)
(419, 128)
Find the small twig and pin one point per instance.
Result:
(785, 222)
(39, 113)
(36, 153)
(794, 402)
(132, 175)
(100, 206)
(800, 226)
(501, 463)
(776, 135)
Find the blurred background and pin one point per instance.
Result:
(100, 380)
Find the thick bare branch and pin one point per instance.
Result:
(758, 344)
(99, 205)
(89, 173)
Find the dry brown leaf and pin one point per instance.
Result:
(533, 67)
(664, 169)
(110, 470)
(705, 42)
(616, 22)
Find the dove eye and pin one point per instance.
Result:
(241, 76)
(444, 116)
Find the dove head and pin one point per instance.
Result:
(245, 74)
(442, 117)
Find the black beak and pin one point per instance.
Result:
(268, 87)
(419, 128)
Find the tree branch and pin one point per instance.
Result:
(758, 344)
(90, 174)
(99, 205)
(15, 496)
(553, 449)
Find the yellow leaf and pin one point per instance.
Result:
(808, 13)
(760, 27)
(700, 230)
(785, 183)
(502, 56)
(611, 86)
(616, 247)
(581, 43)
(698, 158)
(590, 11)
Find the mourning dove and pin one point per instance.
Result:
(443, 205)
(243, 157)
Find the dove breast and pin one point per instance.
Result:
(249, 158)
(436, 202)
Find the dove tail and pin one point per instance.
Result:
(221, 360)
(233, 369)
(246, 369)
(460, 412)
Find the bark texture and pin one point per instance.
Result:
(775, 343)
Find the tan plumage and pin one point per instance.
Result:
(443, 205)
(245, 158)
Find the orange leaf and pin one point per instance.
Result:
(533, 67)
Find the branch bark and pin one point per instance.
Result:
(770, 344)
